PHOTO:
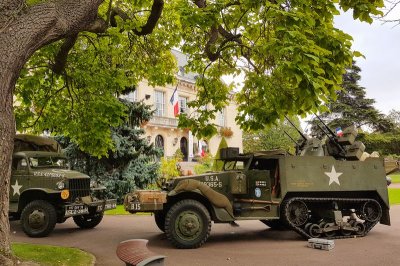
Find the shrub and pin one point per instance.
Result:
(205, 164)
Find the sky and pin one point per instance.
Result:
(380, 70)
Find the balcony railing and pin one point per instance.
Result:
(162, 121)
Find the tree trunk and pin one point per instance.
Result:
(20, 36)
(7, 131)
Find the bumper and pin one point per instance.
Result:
(89, 207)
(145, 201)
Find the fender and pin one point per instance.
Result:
(217, 199)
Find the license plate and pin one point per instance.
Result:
(135, 207)
(71, 210)
(107, 206)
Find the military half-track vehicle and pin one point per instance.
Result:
(44, 191)
(328, 190)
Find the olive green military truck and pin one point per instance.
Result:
(327, 190)
(44, 191)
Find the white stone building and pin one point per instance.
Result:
(162, 129)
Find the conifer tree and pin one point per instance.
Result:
(129, 165)
(218, 164)
(352, 107)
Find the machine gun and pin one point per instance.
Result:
(306, 146)
(299, 144)
(334, 147)
(340, 147)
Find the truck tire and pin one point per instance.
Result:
(38, 218)
(188, 224)
(88, 221)
(159, 218)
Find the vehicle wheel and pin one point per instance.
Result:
(275, 224)
(360, 228)
(329, 233)
(296, 212)
(188, 224)
(314, 230)
(372, 211)
(38, 218)
(88, 221)
(159, 218)
(346, 232)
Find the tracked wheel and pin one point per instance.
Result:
(314, 230)
(360, 228)
(296, 212)
(329, 233)
(371, 211)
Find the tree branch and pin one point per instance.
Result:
(97, 26)
(155, 14)
(61, 58)
(212, 40)
(217, 30)
(116, 11)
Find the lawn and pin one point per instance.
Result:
(118, 211)
(395, 178)
(394, 196)
(52, 255)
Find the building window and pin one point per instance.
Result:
(221, 119)
(132, 96)
(183, 104)
(159, 142)
(159, 97)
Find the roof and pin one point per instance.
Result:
(182, 60)
(23, 142)
(38, 154)
(270, 153)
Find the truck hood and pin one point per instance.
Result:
(59, 173)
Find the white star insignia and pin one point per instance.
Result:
(16, 188)
(333, 176)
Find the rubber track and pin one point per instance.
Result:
(299, 230)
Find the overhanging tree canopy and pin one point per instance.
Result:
(90, 50)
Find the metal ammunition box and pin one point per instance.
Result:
(319, 243)
(355, 151)
(229, 152)
(349, 136)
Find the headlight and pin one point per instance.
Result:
(93, 184)
(388, 180)
(61, 185)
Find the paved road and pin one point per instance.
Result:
(250, 244)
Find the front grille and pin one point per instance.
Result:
(79, 188)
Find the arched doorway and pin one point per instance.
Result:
(184, 148)
(159, 142)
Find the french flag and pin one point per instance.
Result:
(175, 101)
(339, 132)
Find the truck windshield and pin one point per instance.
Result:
(41, 162)
(234, 164)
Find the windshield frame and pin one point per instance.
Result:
(234, 162)
(59, 162)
